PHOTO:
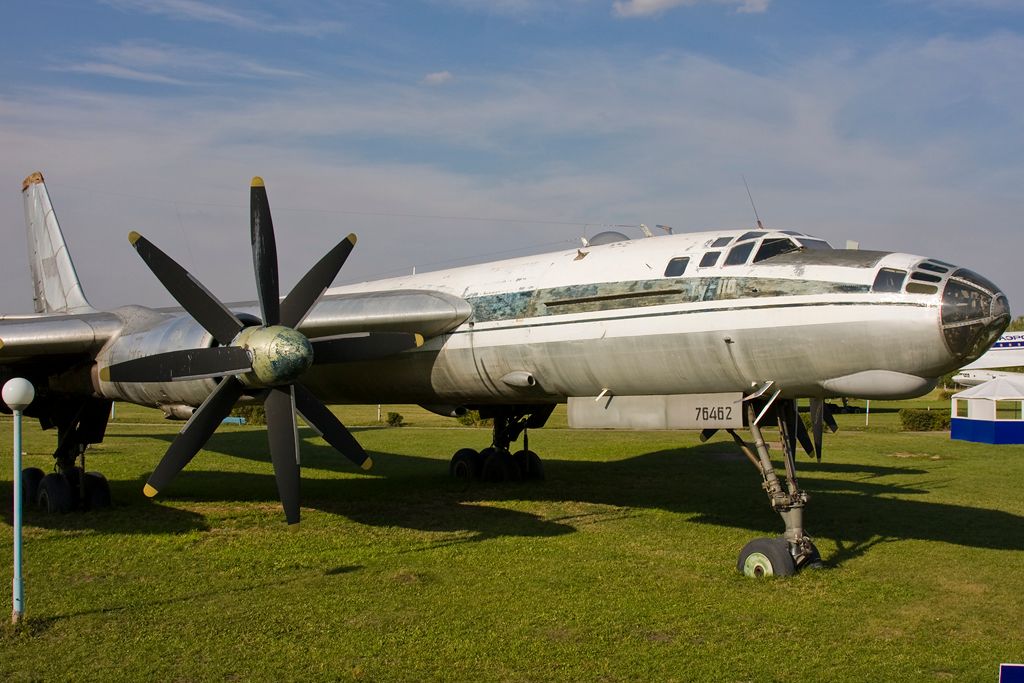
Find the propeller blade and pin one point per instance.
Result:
(317, 416)
(189, 292)
(830, 421)
(284, 448)
(706, 434)
(801, 433)
(362, 346)
(195, 433)
(787, 422)
(817, 424)
(264, 253)
(216, 361)
(313, 284)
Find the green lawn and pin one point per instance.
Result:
(619, 567)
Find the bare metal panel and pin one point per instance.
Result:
(852, 258)
(29, 337)
(429, 313)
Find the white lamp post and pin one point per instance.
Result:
(17, 394)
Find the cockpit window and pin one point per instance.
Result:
(814, 245)
(677, 266)
(774, 247)
(889, 280)
(738, 255)
(721, 242)
(791, 232)
(753, 234)
(709, 259)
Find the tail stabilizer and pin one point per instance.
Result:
(54, 280)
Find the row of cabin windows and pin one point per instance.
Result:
(1005, 410)
(739, 254)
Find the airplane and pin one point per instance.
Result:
(740, 323)
(1006, 352)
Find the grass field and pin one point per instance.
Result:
(619, 567)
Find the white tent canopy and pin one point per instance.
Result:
(999, 389)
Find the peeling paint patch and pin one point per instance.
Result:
(608, 296)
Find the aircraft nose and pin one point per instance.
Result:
(974, 313)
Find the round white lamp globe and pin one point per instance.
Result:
(18, 393)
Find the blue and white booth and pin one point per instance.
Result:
(990, 412)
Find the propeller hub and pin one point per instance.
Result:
(279, 355)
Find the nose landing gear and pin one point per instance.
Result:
(795, 550)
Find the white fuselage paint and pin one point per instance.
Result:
(798, 340)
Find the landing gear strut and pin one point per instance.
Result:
(70, 486)
(497, 463)
(794, 550)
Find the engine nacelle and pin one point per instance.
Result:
(146, 333)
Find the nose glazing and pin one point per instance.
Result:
(974, 313)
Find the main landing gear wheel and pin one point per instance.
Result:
(55, 494)
(30, 478)
(499, 466)
(97, 491)
(530, 465)
(466, 465)
(766, 557)
(496, 464)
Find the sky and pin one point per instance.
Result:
(449, 132)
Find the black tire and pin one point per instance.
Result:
(766, 557)
(97, 491)
(498, 466)
(530, 465)
(30, 478)
(55, 494)
(465, 465)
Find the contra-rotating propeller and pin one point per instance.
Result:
(265, 360)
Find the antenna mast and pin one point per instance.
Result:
(760, 226)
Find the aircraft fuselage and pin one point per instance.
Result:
(630, 318)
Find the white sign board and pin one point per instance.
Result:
(675, 411)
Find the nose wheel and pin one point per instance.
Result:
(766, 557)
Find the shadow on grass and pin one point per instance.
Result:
(147, 517)
(710, 483)
(37, 625)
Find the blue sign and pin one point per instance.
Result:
(1011, 673)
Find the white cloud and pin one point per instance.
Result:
(646, 8)
(120, 72)
(438, 78)
(875, 148)
(1000, 5)
(243, 19)
(174, 65)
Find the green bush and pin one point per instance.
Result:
(254, 413)
(918, 420)
(394, 419)
(472, 419)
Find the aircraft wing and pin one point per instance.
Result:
(24, 339)
(419, 311)
(27, 338)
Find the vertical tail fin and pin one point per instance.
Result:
(55, 282)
